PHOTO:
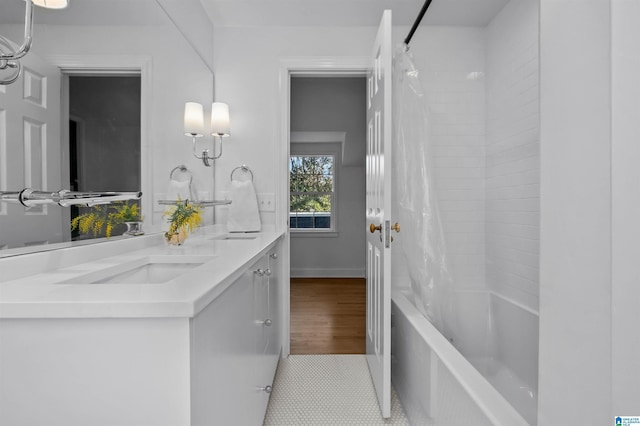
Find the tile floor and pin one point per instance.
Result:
(323, 390)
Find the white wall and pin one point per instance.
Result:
(334, 105)
(247, 64)
(513, 153)
(575, 227)
(590, 208)
(625, 339)
(192, 21)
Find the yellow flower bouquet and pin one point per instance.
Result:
(101, 220)
(183, 217)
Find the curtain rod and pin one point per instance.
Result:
(417, 22)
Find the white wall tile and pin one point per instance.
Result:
(513, 159)
(451, 64)
(513, 153)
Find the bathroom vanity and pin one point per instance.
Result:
(135, 332)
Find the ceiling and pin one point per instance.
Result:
(285, 13)
(348, 12)
(88, 12)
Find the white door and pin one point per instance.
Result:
(379, 215)
(30, 154)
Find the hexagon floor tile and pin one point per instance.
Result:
(323, 390)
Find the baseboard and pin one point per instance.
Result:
(328, 273)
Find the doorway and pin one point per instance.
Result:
(104, 134)
(326, 204)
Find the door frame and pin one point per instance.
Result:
(321, 66)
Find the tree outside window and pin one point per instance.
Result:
(312, 189)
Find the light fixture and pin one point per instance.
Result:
(51, 4)
(193, 120)
(194, 127)
(10, 58)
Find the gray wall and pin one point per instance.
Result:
(108, 112)
(334, 105)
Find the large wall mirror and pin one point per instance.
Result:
(100, 92)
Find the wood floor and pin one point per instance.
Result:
(328, 316)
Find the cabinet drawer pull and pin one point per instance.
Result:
(266, 389)
(268, 272)
(259, 272)
(274, 255)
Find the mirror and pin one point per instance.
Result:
(88, 38)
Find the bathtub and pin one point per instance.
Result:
(437, 385)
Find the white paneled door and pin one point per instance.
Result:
(30, 154)
(379, 215)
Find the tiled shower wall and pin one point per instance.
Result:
(482, 89)
(512, 154)
(451, 65)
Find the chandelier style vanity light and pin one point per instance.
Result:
(9, 56)
(194, 127)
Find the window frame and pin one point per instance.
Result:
(301, 149)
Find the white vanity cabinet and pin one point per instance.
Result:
(235, 349)
(274, 309)
(201, 349)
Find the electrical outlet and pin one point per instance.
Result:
(267, 202)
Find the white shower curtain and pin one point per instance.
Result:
(422, 243)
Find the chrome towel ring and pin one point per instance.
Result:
(243, 168)
(183, 169)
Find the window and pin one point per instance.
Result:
(312, 196)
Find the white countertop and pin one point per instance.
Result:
(45, 292)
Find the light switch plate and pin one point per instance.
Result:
(267, 202)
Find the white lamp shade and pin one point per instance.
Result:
(193, 119)
(51, 4)
(220, 119)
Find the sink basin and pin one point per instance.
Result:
(234, 237)
(145, 270)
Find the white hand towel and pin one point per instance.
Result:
(243, 213)
(179, 189)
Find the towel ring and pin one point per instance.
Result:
(183, 169)
(244, 168)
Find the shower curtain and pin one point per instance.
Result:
(422, 243)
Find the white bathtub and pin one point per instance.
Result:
(437, 385)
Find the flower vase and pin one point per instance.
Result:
(134, 228)
(176, 239)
